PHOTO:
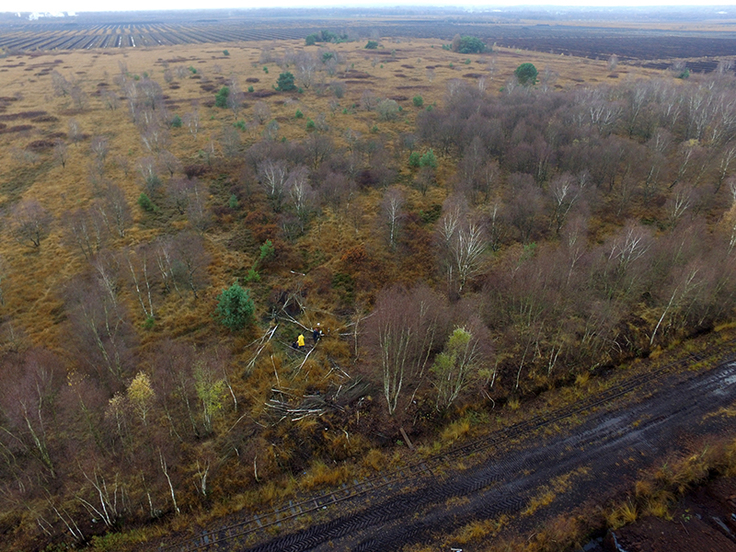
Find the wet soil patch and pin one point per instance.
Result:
(703, 520)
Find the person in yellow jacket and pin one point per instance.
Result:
(300, 341)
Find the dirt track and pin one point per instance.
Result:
(607, 439)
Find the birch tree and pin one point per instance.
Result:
(454, 367)
(463, 242)
(29, 222)
(392, 210)
(404, 332)
(273, 176)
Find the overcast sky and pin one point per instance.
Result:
(130, 5)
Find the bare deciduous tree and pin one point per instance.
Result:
(101, 329)
(301, 194)
(29, 389)
(79, 96)
(62, 87)
(148, 169)
(273, 176)
(230, 141)
(623, 256)
(144, 277)
(29, 222)
(85, 229)
(99, 147)
(150, 94)
(463, 243)
(155, 137)
(235, 97)
(75, 131)
(4, 270)
(191, 119)
(179, 191)
(368, 100)
(678, 204)
(306, 64)
(336, 189)
(197, 213)
(61, 153)
(685, 282)
(182, 261)
(524, 206)
(612, 62)
(114, 210)
(261, 112)
(104, 501)
(169, 162)
(404, 331)
(564, 193)
(727, 157)
(392, 211)
(317, 148)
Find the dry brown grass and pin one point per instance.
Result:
(33, 299)
(375, 460)
(321, 475)
(562, 533)
(557, 486)
(658, 490)
(624, 514)
(478, 530)
(456, 430)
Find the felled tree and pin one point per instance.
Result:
(234, 308)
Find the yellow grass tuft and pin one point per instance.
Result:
(456, 430)
(375, 460)
(544, 498)
(626, 513)
(478, 530)
(320, 475)
(659, 504)
(582, 379)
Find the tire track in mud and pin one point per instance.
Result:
(500, 489)
(490, 489)
(604, 444)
